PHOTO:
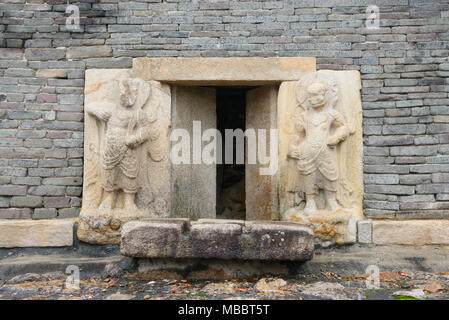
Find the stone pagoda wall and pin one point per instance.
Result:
(403, 64)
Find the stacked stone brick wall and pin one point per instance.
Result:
(403, 64)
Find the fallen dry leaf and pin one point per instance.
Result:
(433, 287)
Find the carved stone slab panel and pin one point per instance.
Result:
(126, 153)
(320, 153)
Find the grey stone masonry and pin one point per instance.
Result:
(217, 239)
(404, 67)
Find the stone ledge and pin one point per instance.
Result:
(91, 266)
(223, 71)
(411, 232)
(36, 233)
(219, 239)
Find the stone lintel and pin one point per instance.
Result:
(223, 71)
(36, 233)
(411, 232)
(253, 240)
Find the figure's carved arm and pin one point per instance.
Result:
(100, 110)
(299, 125)
(342, 131)
(294, 153)
(299, 129)
(143, 132)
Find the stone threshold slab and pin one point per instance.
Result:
(217, 239)
(36, 233)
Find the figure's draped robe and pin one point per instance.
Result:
(314, 153)
(119, 162)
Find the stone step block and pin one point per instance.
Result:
(36, 233)
(217, 239)
(411, 232)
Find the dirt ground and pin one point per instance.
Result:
(324, 286)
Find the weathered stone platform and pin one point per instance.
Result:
(217, 239)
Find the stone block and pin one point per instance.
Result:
(262, 188)
(124, 62)
(11, 54)
(279, 241)
(364, 231)
(44, 54)
(46, 98)
(222, 70)
(12, 190)
(440, 177)
(194, 183)
(4, 202)
(52, 73)
(88, 52)
(16, 213)
(68, 213)
(56, 202)
(47, 190)
(36, 233)
(411, 232)
(44, 213)
(26, 201)
(381, 178)
(176, 238)
(151, 239)
(215, 240)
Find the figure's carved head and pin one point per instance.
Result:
(316, 94)
(128, 92)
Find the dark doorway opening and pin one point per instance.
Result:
(231, 102)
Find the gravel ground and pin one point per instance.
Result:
(129, 286)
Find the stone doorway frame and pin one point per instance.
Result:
(261, 191)
(272, 105)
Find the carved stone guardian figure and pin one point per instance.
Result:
(316, 158)
(126, 165)
(127, 127)
(320, 153)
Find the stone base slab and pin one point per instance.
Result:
(339, 226)
(220, 239)
(103, 226)
(411, 232)
(36, 233)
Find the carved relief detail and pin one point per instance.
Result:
(123, 131)
(321, 151)
(126, 165)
